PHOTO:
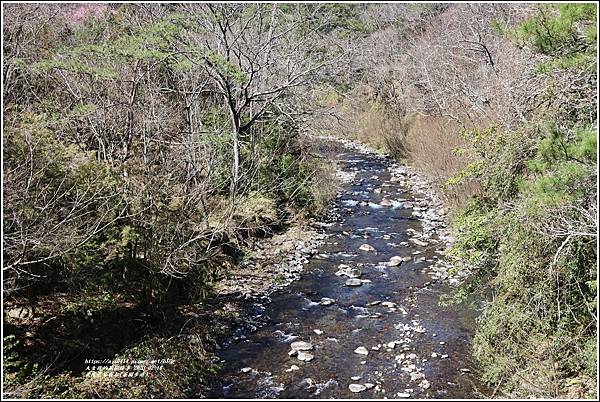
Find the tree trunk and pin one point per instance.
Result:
(235, 166)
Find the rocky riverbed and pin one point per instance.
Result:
(350, 306)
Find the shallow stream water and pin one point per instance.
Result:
(416, 348)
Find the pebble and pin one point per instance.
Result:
(353, 282)
(318, 331)
(361, 350)
(246, 369)
(356, 388)
(416, 376)
(326, 301)
(366, 247)
(305, 357)
(301, 345)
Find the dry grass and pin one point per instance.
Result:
(432, 142)
(427, 142)
(360, 116)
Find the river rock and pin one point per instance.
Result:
(356, 388)
(318, 331)
(416, 376)
(366, 247)
(354, 273)
(293, 367)
(419, 242)
(301, 345)
(356, 378)
(395, 261)
(305, 357)
(353, 282)
(361, 350)
(369, 385)
(326, 301)
(350, 272)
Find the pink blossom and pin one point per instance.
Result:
(84, 12)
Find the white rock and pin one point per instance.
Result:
(366, 247)
(246, 369)
(326, 301)
(293, 367)
(356, 378)
(361, 350)
(395, 261)
(356, 388)
(353, 282)
(369, 385)
(301, 345)
(416, 376)
(305, 357)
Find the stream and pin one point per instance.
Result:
(373, 323)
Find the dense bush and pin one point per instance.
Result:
(532, 234)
